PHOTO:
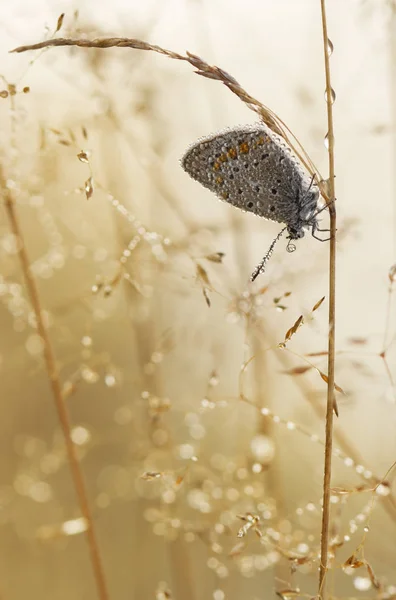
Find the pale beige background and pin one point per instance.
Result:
(141, 111)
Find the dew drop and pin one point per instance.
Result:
(88, 374)
(212, 562)
(86, 341)
(360, 517)
(332, 96)
(391, 589)
(11, 243)
(214, 380)
(110, 380)
(362, 583)
(80, 435)
(169, 496)
(330, 47)
(74, 526)
(34, 344)
(197, 431)
(352, 526)
(382, 490)
(207, 404)
(40, 491)
(186, 451)
(392, 273)
(262, 449)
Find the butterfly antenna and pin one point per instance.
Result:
(261, 267)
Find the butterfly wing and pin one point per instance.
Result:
(249, 168)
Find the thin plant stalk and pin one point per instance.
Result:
(56, 387)
(324, 544)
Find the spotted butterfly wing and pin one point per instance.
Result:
(251, 168)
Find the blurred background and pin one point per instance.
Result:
(198, 437)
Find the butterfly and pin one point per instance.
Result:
(254, 169)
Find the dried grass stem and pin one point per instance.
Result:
(331, 334)
(56, 387)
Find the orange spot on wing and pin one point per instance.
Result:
(244, 148)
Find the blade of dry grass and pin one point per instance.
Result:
(272, 120)
(332, 299)
(56, 386)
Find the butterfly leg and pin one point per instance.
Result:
(316, 228)
(320, 239)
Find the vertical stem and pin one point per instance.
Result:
(55, 383)
(331, 346)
